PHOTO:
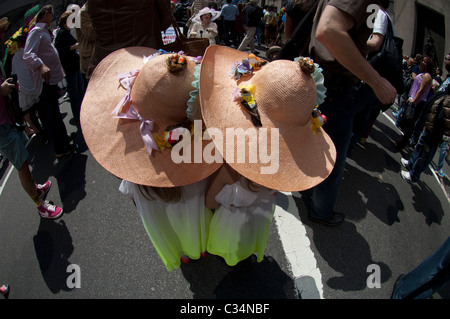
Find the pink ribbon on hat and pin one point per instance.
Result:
(127, 80)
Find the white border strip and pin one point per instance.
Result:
(298, 252)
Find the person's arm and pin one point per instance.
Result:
(224, 176)
(6, 88)
(212, 30)
(375, 42)
(332, 32)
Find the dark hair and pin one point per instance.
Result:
(63, 18)
(43, 11)
(384, 3)
(429, 65)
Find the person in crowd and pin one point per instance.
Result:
(444, 147)
(340, 53)
(67, 47)
(271, 27)
(204, 27)
(239, 25)
(427, 278)
(295, 11)
(365, 119)
(12, 146)
(30, 88)
(229, 15)
(408, 80)
(194, 9)
(251, 17)
(42, 57)
(120, 24)
(86, 42)
(418, 96)
(181, 14)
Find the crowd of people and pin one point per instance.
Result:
(236, 23)
(190, 210)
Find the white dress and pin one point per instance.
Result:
(175, 229)
(240, 227)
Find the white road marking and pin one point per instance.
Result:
(296, 245)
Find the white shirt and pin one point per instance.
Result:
(39, 49)
(381, 24)
(30, 82)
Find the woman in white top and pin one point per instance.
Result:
(204, 27)
(30, 85)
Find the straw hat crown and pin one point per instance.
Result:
(150, 96)
(283, 98)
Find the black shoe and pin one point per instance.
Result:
(334, 220)
(67, 151)
(255, 52)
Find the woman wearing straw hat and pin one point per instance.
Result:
(129, 124)
(204, 27)
(241, 192)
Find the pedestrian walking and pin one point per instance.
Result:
(229, 14)
(339, 52)
(67, 47)
(251, 18)
(42, 57)
(437, 127)
(12, 146)
(427, 278)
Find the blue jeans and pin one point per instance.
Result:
(427, 278)
(367, 102)
(442, 155)
(422, 156)
(75, 88)
(340, 109)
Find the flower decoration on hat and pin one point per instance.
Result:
(247, 100)
(308, 66)
(173, 134)
(246, 66)
(256, 62)
(317, 120)
(12, 42)
(176, 62)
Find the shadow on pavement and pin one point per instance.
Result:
(53, 246)
(212, 278)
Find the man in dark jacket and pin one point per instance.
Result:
(251, 18)
(119, 24)
(436, 127)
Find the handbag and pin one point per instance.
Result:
(388, 61)
(191, 46)
(298, 42)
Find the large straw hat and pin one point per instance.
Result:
(214, 14)
(158, 97)
(285, 97)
